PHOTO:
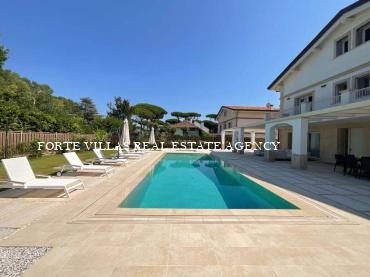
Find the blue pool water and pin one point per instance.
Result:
(197, 181)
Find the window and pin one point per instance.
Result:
(362, 82)
(339, 88)
(290, 141)
(342, 46)
(225, 113)
(363, 34)
(229, 124)
(303, 104)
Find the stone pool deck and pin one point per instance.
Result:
(88, 242)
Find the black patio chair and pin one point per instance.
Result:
(339, 161)
(364, 166)
(351, 163)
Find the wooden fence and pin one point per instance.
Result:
(17, 138)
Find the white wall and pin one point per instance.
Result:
(321, 68)
(323, 92)
(239, 118)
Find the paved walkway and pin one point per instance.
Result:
(251, 249)
(318, 182)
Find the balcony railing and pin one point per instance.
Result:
(360, 94)
(350, 96)
(337, 99)
(345, 97)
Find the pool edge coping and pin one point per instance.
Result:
(106, 207)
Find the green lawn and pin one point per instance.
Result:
(46, 164)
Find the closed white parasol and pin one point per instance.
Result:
(152, 137)
(125, 135)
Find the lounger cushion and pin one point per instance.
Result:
(52, 183)
(112, 161)
(18, 169)
(96, 167)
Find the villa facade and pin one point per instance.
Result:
(235, 119)
(187, 128)
(325, 92)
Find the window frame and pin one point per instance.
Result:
(355, 78)
(347, 81)
(346, 36)
(305, 97)
(355, 33)
(335, 93)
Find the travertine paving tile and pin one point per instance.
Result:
(140, 271)
(251, 271)
(348, 271)
(193, 256)
(183, 271)
(143, 256)
(349, 202)
(301, 271)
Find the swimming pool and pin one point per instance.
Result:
(200, 181)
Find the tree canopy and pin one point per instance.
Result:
(149, 111)
(212, 116)
(29, 106)
(172, 121)
(3, 55)
(121, 108)
(88, 109)
(211, 125)
(186, 115)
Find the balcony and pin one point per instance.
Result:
(345, 97)
(351, 96)
(304, 107)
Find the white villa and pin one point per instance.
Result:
(235, 119)
(325, 92)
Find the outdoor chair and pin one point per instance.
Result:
(351, 163)
(283, 155)
(364, 166)
(259, 152)
(21, 176)
(77, 165)
(128, 155)
(108, 161)
(339, 161)
(127, 150)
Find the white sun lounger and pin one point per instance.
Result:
(21, 176)
(108, 161)
(78, 166)
(134, 155)
(133, 151)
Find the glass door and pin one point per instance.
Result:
(314, 144)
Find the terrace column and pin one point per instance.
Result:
(241, 138)
(253, 139)
(269, 136)
(299, 145)
(223, 133)
(234, 138)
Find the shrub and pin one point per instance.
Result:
(33, 149)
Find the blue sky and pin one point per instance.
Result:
(184, 55)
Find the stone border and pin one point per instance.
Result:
(105, 209)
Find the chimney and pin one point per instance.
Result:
(269, 105)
